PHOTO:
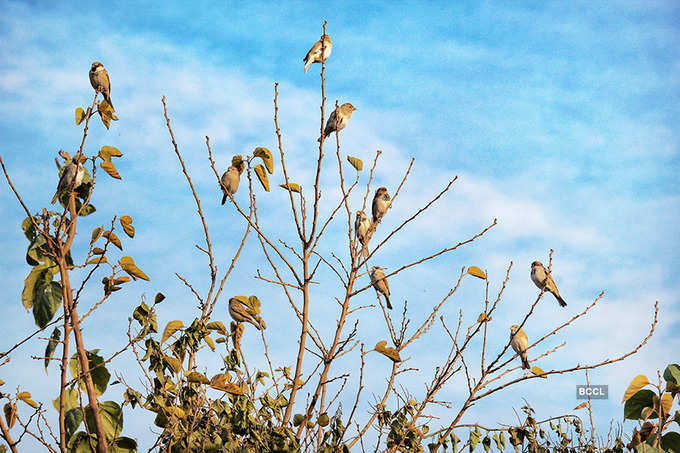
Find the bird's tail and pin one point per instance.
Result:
(561, 301)
(107, 98)
(364, 251)
(525, 362)
(387, 299)
(308, 63)
(54, 198)
(224, 198)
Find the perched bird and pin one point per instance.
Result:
(379, 282)
(230, 180)
(314, 54)
(100, 78)
(239, 312)
(338, 117)
(520, 343)
(70, 178)
(542, 278)
(381, 201)
(362, 225)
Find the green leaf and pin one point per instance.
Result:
(72, 420)
(218, 326)
(474, 438)
(28, 228)
(100, 375)
(670, 442)
(86, 210)
(51, 346)
(632, 410)
(123, 445)
(112, 419)
(672, 373)
(39, 274)
(356, 163)
(36, 251)
(46, 303)
(171, 328)
(298, 419)
(486, 443)
(70, 400)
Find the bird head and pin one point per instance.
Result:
(348, 108)
(95, 66)
(536, 263)
(514, 329)
(374, 269)
(361, 215)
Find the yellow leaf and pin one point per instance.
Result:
(356, 163)
(170, 328)
(128, 265)
(98, 260)
(390, 352)
(107, 152)
(178, 412)
(97, 251)
(109, 168)
(218, 326)
(233, 389)
(210, 343)
(581, 406)
(635, 385)
(666, 403)
(175, 364)
(26, 398)
(96, 234)
(538, 372)
(220, 380)
(119, 280)
(266, 157)
(80, 115)
(477, 272)
(262, 176)
(2, 382)
(111, 236)
(126, 222)
(105, 112)
(195, 376)
(483, 317)
(292, 186)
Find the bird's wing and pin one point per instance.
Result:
(315, 48)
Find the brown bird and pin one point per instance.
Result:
(379, 282)
(338, 119)
(230, 180)
(542, 278)
(381, 201)
(314, 54)
(99, 79)
(362, 226)
(238, 310)
(71, 178)
(520, 343)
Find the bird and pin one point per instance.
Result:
(70, 178)
(314, 54)
(100, 78)
(343, 114)
(239, 312)
(230, 180)
(381, 201)
(542, 278)
(379, 282)
(362, 226)
(520, 343)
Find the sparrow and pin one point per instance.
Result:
(239, 312)
(542, 278)
(100, 78)
(314, 54)
(362, 225)
(343, 114)
(520, 343)
(379, 282)
(381, 201)
(70, 178)
(230, 180)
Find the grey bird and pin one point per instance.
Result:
(315, 53)
(230, 180)
(70, 178)
(379, 282)
(362, 226)
(381, 201)
(542, 278)
(520, 343)
(239, 313)
(100, 78)
(342, 114)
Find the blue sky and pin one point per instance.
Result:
(560, 120)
